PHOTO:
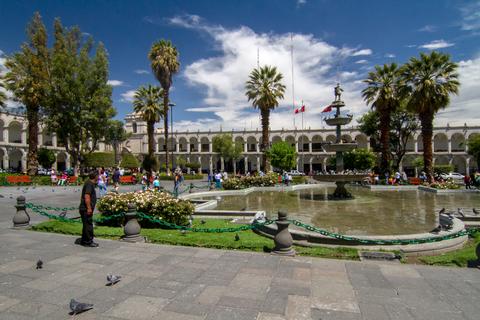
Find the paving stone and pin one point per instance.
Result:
(189, 307)
(398, 312)
(251, 281)
(253, 304)
(392, 270)
(293, 287)
(372, 311)
(6, 302)
(222, 313)
(138, 307)
(334, 315)
(269, 316)
(247, 293)
(11, 280)
(16, 265)
(346, 305)
(432, 314)
(298, 308)
(211, 294)
(33, 308)
(275, 302)
(166, 315)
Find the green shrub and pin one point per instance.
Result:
(299, 180)
(159, 205)
(46, 157)
(129, 161)
(150, 163)
(235, 183)
(185, 176)
(100, 159)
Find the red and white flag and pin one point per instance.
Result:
(327, 109)
(302, 109)
(297, 111)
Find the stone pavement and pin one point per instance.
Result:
(169, 282)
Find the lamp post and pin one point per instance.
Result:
(171, 105)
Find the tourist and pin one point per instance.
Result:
(53, 177)
(218, 180)
(87, 206)
(467, 181)
(102, 186)
(404, 177)
(144, 182)
(116, 179)
(423, 176)
(156, 183)
(397, 177)
(63, 179)
(225, 175)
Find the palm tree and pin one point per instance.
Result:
(164, 62)
(429, 80)
(3, 96)
(147, 102)
(265, 89)
(382, 93)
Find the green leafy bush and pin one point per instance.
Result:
(449, 184)
(100, 159)
(46, 157)
(150, 163)
(235, 183)
(159, 205)
(129, 161)
(185, 176)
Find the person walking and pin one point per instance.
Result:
(116, 178)
(102, 185)
(467, 181)
(86, 208)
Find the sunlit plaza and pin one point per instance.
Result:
(239, 160)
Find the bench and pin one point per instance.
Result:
(18, 179)
(127, 179)
(72, 180)
(414, 181)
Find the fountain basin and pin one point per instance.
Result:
(338, 121)
(340, 177)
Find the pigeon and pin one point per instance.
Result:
(437, 229)
(63, 214)
(203, 221)
(460, 212)
(79, 307)
(442, 211)
(237, 237)
(475, 211)
(112, 279)
(243, 209)
(446, 222)
(39, 264)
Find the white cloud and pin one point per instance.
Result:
(222, 76)
(128, 96)
(115, 83)
(361, 61)
(301, 2)
(470, 16)
(464, 107)
(389, 55)
(141, 71)
(363, 52)
(436, 44)
(428, 28)
(411, 45)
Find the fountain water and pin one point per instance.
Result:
(339, 147)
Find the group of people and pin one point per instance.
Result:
(62, 181)
(218, 177)
(472, 180)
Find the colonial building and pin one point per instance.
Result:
(449, 145)
(14, 147)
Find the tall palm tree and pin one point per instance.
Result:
(265, 89)
(164, 62)
(3, 96)
(383, 94)
(147, 101)
(430, 80)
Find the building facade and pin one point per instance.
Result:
(449, 145)
(14, 147)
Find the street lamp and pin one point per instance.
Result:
(171, 105)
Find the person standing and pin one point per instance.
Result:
(87, 206)
(116, 178)
(467, 181)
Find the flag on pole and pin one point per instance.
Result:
(302, 109)
(327, 109)
(296, 111)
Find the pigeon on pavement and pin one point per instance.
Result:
(112, 279)
(79, 307)
(39, 264)
(63, 214)
(460, 212)
(442, 211)
(475, 211)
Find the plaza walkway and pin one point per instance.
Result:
(169, 282)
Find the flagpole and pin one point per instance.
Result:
(293, 85)
(301, 138)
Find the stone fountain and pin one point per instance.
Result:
(339, 147)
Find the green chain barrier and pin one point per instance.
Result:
(39, 206)
(206, 230)
(382, 241)
(41, 211)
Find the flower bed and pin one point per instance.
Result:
(235, 183)
(449, 184)
(159, 205)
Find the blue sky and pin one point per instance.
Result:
(218, 43)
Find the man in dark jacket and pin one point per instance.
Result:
(87, 206)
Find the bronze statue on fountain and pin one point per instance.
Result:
(339, 147)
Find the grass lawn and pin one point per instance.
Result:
(458, 258)
(249, 241)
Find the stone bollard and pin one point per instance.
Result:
(132, 228)
(283, 239)
(21, 219)
(191, 188)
